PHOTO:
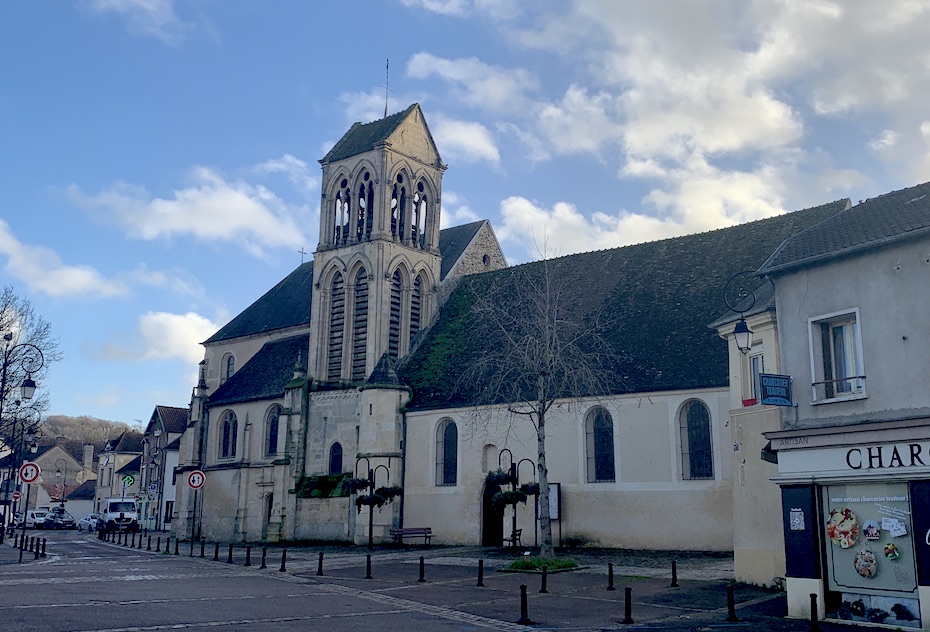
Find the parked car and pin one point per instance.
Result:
(91, 522)
(35, 518)
(58, 518)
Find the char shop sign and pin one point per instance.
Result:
(889, 457)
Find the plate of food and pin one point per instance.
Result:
(866, 563)
(843, 527)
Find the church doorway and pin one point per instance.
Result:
(266, 515)
(492, 518)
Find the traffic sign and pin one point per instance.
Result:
(153, 488)
(29, 472)
(17, 496)
(196, 479)
(128, 480)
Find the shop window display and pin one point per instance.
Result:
(870, 565)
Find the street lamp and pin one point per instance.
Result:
(740, 298)
(61, 479)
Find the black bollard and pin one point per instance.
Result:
(731, 605)
(674, 574)
(283, 568)
(545, 576)
(191, 554)
(134, 540)
(319, 566)
(524, 615)
(422, 570)
(35, 554)
(177, 539)
(229, 557)
(610, 576)
(158, 544)
(480, 583)
(44, 542)
(628, 606)
(125, 541)
(216, 552)
(264, 558)
(248, 556)
(815, 623)
(203, 543)
(32, 540)
(148, 543)
(368, 566)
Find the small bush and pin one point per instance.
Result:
(527, 563)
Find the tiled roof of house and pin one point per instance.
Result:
(130, 441)
(173, 418)
(285, 305)
(453, 242)
(265, 374)
(870, 224)
(363, 137)
(658, 297)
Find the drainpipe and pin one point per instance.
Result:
(403, 463)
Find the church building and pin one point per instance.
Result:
(350, 368)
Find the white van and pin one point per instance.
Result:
(35, 518)
(120, 514)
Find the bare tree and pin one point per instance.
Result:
(28, 348)
(539, 346)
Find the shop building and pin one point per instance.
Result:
(853, 452)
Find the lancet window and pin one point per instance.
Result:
(341, 213)
(416, 306)
(394, 329)
(337, 306)
(360, 326)
(365, 211)
(419, 211)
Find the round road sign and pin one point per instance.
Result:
(196, 479)
(17, 496)
(29, 472)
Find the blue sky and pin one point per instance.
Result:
(158, 161)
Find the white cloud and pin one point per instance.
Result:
(42, 270)
(455, 211)
(212, 209)
(297, 171)
(579, 123)
(886, 140)
(158, 336)
(476, 83)
(444, 7)
(151, 18)
(465, 140)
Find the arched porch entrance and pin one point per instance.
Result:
(492, 518)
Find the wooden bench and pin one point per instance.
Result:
(514, 539)
(398, 535)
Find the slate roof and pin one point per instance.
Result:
(453, 242)
(877, 221)
(285, 305)
(133, 466)
(265, 374)
(130, 441)
(85, 491)
(173, 418)
(363, 137)
(659, 297)
(384, 375)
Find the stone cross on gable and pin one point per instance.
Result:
(302, 253)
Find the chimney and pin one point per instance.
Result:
(88, 458)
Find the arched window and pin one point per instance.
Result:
(229, 367)
(420, 208)
(416, 306)
(447, 450)
(271, 430)
(229, 433)
(360, 326)
(335, 458)
(599, 442)
(697, 455)
(394, 328)
(337, 308)
(341, 214)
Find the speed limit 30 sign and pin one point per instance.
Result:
(196, 479)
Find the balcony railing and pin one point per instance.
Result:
(843, 388)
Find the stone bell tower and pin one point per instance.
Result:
(377, 266)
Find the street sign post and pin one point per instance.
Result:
(16, 496)
(195, 481)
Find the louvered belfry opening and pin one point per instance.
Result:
(394, 330)
(416, 301)
(360, 326)
(337, 314)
